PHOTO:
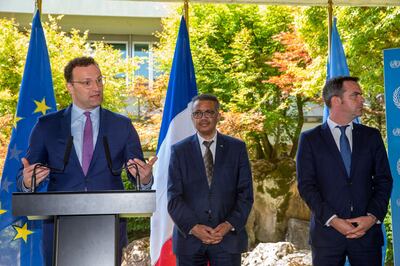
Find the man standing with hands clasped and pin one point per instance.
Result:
(344, 177)
(103, 142)
(210, 192)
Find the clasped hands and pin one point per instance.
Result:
(209, 235)
(355, 227)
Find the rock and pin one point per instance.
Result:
(137, 253)
(298, 233)
(276, 200)
(297, 207)
(265, 254)
(277, 254)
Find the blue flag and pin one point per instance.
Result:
(20, 239)
(176, 125)
(391, 60)
(337, 63)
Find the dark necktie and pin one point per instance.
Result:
(87, 145)
(208, 161)
(345, 150)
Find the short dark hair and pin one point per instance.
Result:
(206, 97)
(334, 87)
(77, 62)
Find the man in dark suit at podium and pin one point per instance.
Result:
(344, 177)
(210, 192)
(101, 140)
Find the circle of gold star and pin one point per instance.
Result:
(22, 232)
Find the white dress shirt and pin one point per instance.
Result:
(336, 136)
(212, 146)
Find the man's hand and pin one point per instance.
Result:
(364, 223)
(342, 226)
(41, 173)
(206, 234)
(221, 230)
(145, 169)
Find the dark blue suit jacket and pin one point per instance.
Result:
(48, 143)
(191, 201)
(324, 185)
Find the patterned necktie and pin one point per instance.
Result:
(208, 161)
(345, 150)
(87, 145)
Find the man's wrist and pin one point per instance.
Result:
(231, 228)
(328, 223)
(374, 219)
(24, 187)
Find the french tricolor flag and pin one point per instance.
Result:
(176, 125)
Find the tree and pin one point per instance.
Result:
(230, 46)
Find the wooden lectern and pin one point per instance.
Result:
(86, 223)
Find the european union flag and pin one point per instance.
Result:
(20, 239)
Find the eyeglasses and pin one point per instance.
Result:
(206, 114)
(100, 81)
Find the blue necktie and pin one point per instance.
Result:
(345, 150)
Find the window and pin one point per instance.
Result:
(142, 51)
(122, 47)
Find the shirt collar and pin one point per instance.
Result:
(203, 139)
(332, 125)
(77, 112)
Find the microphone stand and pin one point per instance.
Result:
(53, 169)
(116, 172)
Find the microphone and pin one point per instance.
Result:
(51, 168)
(116, 172)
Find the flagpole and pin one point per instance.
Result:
(330, 17)
(186, 12)
(38, 5)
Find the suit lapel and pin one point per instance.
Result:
(195, 151)
(66, 132)
(331, 145)
(98, 149)
(220, 151)
(357, 144)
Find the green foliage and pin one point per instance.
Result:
(138, 227)
(366, 32)
(389, 237)
(312, 23)
(13, 50)
(62, 47)
(231, 47)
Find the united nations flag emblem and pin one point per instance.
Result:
(394, 63)
(396, 97)
(398, 166)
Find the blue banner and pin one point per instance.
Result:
(20, 239)
(392, 100)
(337, 63)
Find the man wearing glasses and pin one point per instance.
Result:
(98, 134)
(210, 192)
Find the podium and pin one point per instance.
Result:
(86, 227)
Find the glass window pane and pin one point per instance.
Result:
(141, 50)
(121, 47)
